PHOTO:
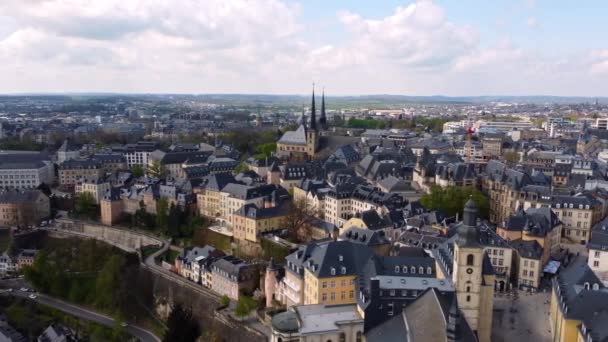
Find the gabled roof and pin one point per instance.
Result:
(297, 137)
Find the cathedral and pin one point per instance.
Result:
(303, 143)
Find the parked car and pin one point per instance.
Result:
(33, 296)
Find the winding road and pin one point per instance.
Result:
(80, 312)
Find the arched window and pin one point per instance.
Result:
(421, 270)
(468, 289)
(586, 286)
(413, 270)
(596, 286)
(396, 269)
(342, 337)
(358, 339)
(280, 340)
(429, 270)
(470, 260)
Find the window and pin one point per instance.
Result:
(470, 260)
(324, 297)
(468, 289)
(404, 269)
(531, 273)
(343, 295)
(596, 254)
(596, 263)
(396, 269)
(342, 337)
(468, 298)
(358, 336)
(333, 296)
(413, 270)
(351, 294)
(333, 284)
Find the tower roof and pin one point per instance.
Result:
(323, 118)
(467, 232)
(313, 111)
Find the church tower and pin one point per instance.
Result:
(474, 285)
(312, 135)
(323, 117)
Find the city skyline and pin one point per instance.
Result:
(464, 48)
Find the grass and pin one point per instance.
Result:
(148, 250)
(168, 256)
(5, 240)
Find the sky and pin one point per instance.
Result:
(354, 47)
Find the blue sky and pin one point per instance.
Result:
(466, 47)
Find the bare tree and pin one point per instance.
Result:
(298, 221)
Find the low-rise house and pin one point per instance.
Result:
(7, 265)
(26, 257)
(57, 333)
(190, 263)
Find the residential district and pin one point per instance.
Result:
(438, 221)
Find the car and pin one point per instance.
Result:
(24, 289)
(124, 325)
(33, 296)
(10, 290)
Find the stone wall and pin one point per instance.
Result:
(204, 308)
(127, 240)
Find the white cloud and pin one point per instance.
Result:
(532, 22)
(418, 35)
(599, 61)
(260, 46)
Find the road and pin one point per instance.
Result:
(150, 264)
(80, 312)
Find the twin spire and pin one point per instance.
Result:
(313, 112)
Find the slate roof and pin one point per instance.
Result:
(599, 236)
(217, 182)
(456, 171)
(68, 145)
(364, 236)
(529, 249)
(341, 258)
(75, 164)
(297, 137)
(577, 298)
(28, 196)
(23, 160)
(535, 221)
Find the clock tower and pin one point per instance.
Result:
(469, 276)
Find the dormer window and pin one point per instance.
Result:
(343, 270)
(596, 287)
(429, 270)
(586, 286)
(421, 270)
(340, 257)
(404, 269)
(396, 269)
(413, 270)
(333, 271)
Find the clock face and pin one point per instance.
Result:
(469, 270)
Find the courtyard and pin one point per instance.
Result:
(521, 316)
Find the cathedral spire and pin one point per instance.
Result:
(303, 119)
(323, 118)
(313, 111)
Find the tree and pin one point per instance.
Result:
(298, 220)
(240, 168)
(85, 205)
(181, 325)
(174, 221)
(451, 200)
(266, 150)
(244, 306)
(224, 301)
(511, 158)
(157, 169)
(137, 171)
(162, 211)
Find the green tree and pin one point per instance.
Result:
(162, 214)
(108, 281)
(224, 301)
(245, 306)
(174, 221)
(240, 168)
(157, 169)
(451, 200)
(266, 150)
(181, 325)
(85, 206)
(137, 171)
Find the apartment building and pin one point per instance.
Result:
(111, 162)
(71, 171)
(137, 154)
(23, 208)
(208, 195)
(598, 251)
(250, 221)
(232, 277)
(24, 170)
(96, 187)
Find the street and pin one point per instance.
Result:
(80, 312)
